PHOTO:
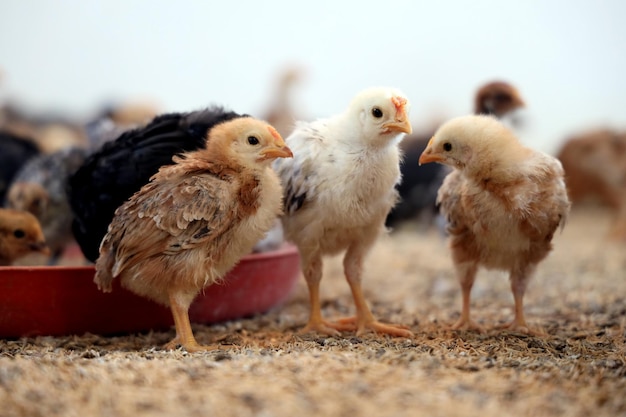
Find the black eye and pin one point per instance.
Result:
(447, 146)
(377, 113)
(253, 140)
(19, 233)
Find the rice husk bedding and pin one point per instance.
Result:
(265, 367)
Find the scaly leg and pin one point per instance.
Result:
(467, 274)
(519, 281)
(364, 320)
(312, 270)
(184, 334)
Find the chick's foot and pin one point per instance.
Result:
(352, 323)
(323, 327)
(467, 324)
(518, 327)
(190, 346)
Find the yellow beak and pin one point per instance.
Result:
(429, 156)
(402, 126)
(276, 152)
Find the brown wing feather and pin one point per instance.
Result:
(169, 215)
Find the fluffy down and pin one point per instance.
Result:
(419, 186)
(339, 188)
(195, 219)
(503, 203)
(121, 167)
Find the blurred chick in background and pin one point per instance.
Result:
(595, 168)
(339, 188)
(121, 167)
(15, 151)
(20, 235)
(419, 185)
(40, 188)
(195, 219)
(50, 131)
(502, 201)
(283, 112)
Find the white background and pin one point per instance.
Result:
(568, 58)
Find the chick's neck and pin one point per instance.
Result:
(501, 168)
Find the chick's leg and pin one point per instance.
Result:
(312, 270)
(467, 274)
(519, 283)
(364, 320)
(184, 334)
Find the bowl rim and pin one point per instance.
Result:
(286, 249)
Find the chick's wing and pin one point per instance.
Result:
(450, 201)
(172, 216)
(301, 174)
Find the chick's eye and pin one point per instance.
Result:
(447, 146)
(253, 140)
(377, 113)
(19, 233)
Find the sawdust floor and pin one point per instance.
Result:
(264, 367)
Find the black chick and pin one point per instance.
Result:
(121, 167)
(419, 186)
(14, 152)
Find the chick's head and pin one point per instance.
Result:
(20, 234)
(497, 98)
(471, 143)
(28, 196)
(252, 142)
(382, 113)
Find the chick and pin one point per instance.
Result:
(20, 235)
(418, 189)
(40, 188)
(503, 203)
(282, 111)
(195, 219)
(121, 167)
(339, 188)
(595, 166)
(497, 98)
(14, 152)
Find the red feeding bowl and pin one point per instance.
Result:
(61, 300)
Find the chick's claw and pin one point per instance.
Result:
(322, 327)
(189, 346)
(374, 326)
(467, 324)
(518, 327)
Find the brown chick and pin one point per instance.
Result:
(595, 166)
(195, 219)
(497, 98)
(503, 202)
(20, 235)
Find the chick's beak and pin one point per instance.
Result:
(399, 125)
(277, 151)
(40, 247)
(401, 122)
(429, 155)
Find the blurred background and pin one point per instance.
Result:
(74, 74)
(72, 57)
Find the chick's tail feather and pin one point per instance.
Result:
(104, 277)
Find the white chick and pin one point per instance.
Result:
(339, 188)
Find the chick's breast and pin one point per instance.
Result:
(329, 189)
(503, 223)
(194, 227)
